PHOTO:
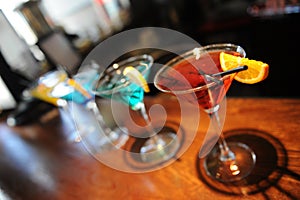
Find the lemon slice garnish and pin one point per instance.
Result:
(136, 77)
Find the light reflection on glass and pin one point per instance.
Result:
(235, 169)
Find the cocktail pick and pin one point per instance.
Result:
(214, 77)
(233, 70)
(78, 88)
(73, 83)
(210, 77)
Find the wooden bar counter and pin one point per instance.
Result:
(40, 161)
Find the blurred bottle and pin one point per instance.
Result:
(12, 85)
(16, 52)
(32, 13)
(54, 43)
(113, 15)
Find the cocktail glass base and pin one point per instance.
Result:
(118, 137)
(230, 170)
(160, 148)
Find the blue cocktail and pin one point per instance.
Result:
(116, 84)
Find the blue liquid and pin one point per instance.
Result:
(119, 88)
(77, 97)
(130, 95)
(87, 80)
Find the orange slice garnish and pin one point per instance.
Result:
(257, 71)
(136, 77)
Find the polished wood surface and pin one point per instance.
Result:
(40, 161)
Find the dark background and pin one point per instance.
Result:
(272, 38)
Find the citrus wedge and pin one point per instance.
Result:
(257, 71)
(73, 83)
(136, 77)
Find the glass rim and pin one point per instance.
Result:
(146, 57)
(190, 53)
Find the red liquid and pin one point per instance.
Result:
(185, 75)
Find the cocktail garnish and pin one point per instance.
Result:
(209, 77)
(196, 52)
(231, 71)
(257, 71)
(136, 77)
(78, 87)
(42, 92)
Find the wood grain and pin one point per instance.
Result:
(38, 161)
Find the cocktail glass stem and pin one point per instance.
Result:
(158, 147)
(91, 105)
(230, 161)
(144, 114)
(225, 153)
(112, 138)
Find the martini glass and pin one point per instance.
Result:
(192, 76)
(44, 85)
(107, 138)
(57, 88)
(51, 87)
(113, 84)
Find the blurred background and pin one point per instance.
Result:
(38, 35)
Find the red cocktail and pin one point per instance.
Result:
(192, 76)
(191, 73)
